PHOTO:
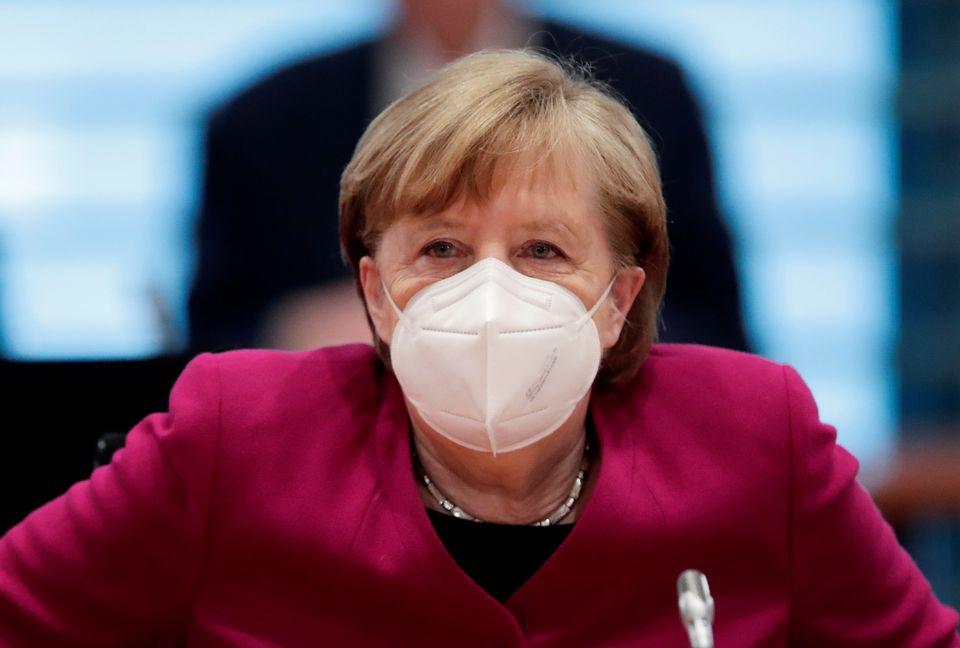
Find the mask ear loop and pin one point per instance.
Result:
(596, 306)
(393, 304)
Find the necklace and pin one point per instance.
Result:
(561, 512)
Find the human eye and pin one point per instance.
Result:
(542, 250)
(441, 249)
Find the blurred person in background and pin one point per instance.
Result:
(269, 271)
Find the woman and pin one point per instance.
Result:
(513, 465)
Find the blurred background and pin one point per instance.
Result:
(834, 137)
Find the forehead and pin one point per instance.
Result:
(555, 178)
(526, 191)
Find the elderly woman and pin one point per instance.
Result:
(513, 465)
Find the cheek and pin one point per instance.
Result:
(588, 288)
(403, 289)
(384, 319)
(389, 326)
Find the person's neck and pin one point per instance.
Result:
(449, 35)
(517, 487)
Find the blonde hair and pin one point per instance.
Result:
(443, 141)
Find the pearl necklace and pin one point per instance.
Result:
(561, 512)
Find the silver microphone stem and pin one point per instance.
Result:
(701, 635)
(696, 608)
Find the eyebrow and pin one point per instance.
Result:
(540, 223)
(553, 225)
(432, 224)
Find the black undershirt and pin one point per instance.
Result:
(498, 557)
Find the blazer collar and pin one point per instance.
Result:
(579, 565)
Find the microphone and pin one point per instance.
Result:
(696, 608)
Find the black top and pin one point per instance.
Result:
(498, 557)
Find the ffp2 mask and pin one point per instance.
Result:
(492, 359)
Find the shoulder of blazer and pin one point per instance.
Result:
(706, 386)
(697, 358)
(299, 87)
(267, 383)
(609, 57)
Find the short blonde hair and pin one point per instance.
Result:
(443, 141)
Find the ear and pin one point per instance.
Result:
(614, 313)
(379, 308)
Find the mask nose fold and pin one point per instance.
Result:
(493, 440)
(479, 346)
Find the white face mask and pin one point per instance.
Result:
(493, 359)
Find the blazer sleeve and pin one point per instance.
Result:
(115, 561)
(852, 584)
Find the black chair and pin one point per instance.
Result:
(107, 444)
(54, 415)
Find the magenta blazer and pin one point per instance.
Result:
(275, 505)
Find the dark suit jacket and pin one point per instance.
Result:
(274, 154)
